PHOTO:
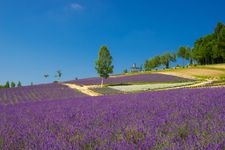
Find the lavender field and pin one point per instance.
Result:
(174, 119)
(140, 78)
(37, 93)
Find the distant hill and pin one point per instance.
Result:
(216, 72)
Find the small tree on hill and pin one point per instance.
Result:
(7, 84)
(58, 74)
(19, 84)
(185, 53)
(103, 64)
(152, 63)
(181, 53)
(167, 58)
(13, 84)
(46, 75)
(125, 71)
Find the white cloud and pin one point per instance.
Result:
(76, 6)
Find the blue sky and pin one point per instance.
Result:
(39, 37)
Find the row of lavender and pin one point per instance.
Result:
(37, 93)
(175, 119)
(153, 77)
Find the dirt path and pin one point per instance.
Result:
(86, 89)
(203, 83)
(83, 89)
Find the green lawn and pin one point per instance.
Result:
(145, 87)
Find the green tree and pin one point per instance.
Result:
(103, 64)
(220, 42)
(167, 58)
(19, 84)
(125, 71)
(152, 63)
(13, 84)
(184, 52)
(218, 28)
(146, 65)
(58, 74)
(149, 65)
(191, 56)
(7, 84)
(203, 50)
(46, 75)
(210, 49)
(156, 61)
(1, 86)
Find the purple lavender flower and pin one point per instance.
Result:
(174, 119)
(153, 77)
(37, 93)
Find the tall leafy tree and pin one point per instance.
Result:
(152, 63)
(19, 84)
(210, 49)
(191, 56)
(7, 84)
(146, 65)
(185, 53)
(13, 84)
(125, 71)
(203, 50)
(156, 61)
(103, 64)
(167, 58)
(182, 53)
(220, 42)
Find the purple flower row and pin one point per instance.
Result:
(37, 93)
(175, 119)
(153, 77)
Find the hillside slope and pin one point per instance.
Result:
(216, 72)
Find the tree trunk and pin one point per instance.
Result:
(167, 65)
(102, 83)
(191, 61)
